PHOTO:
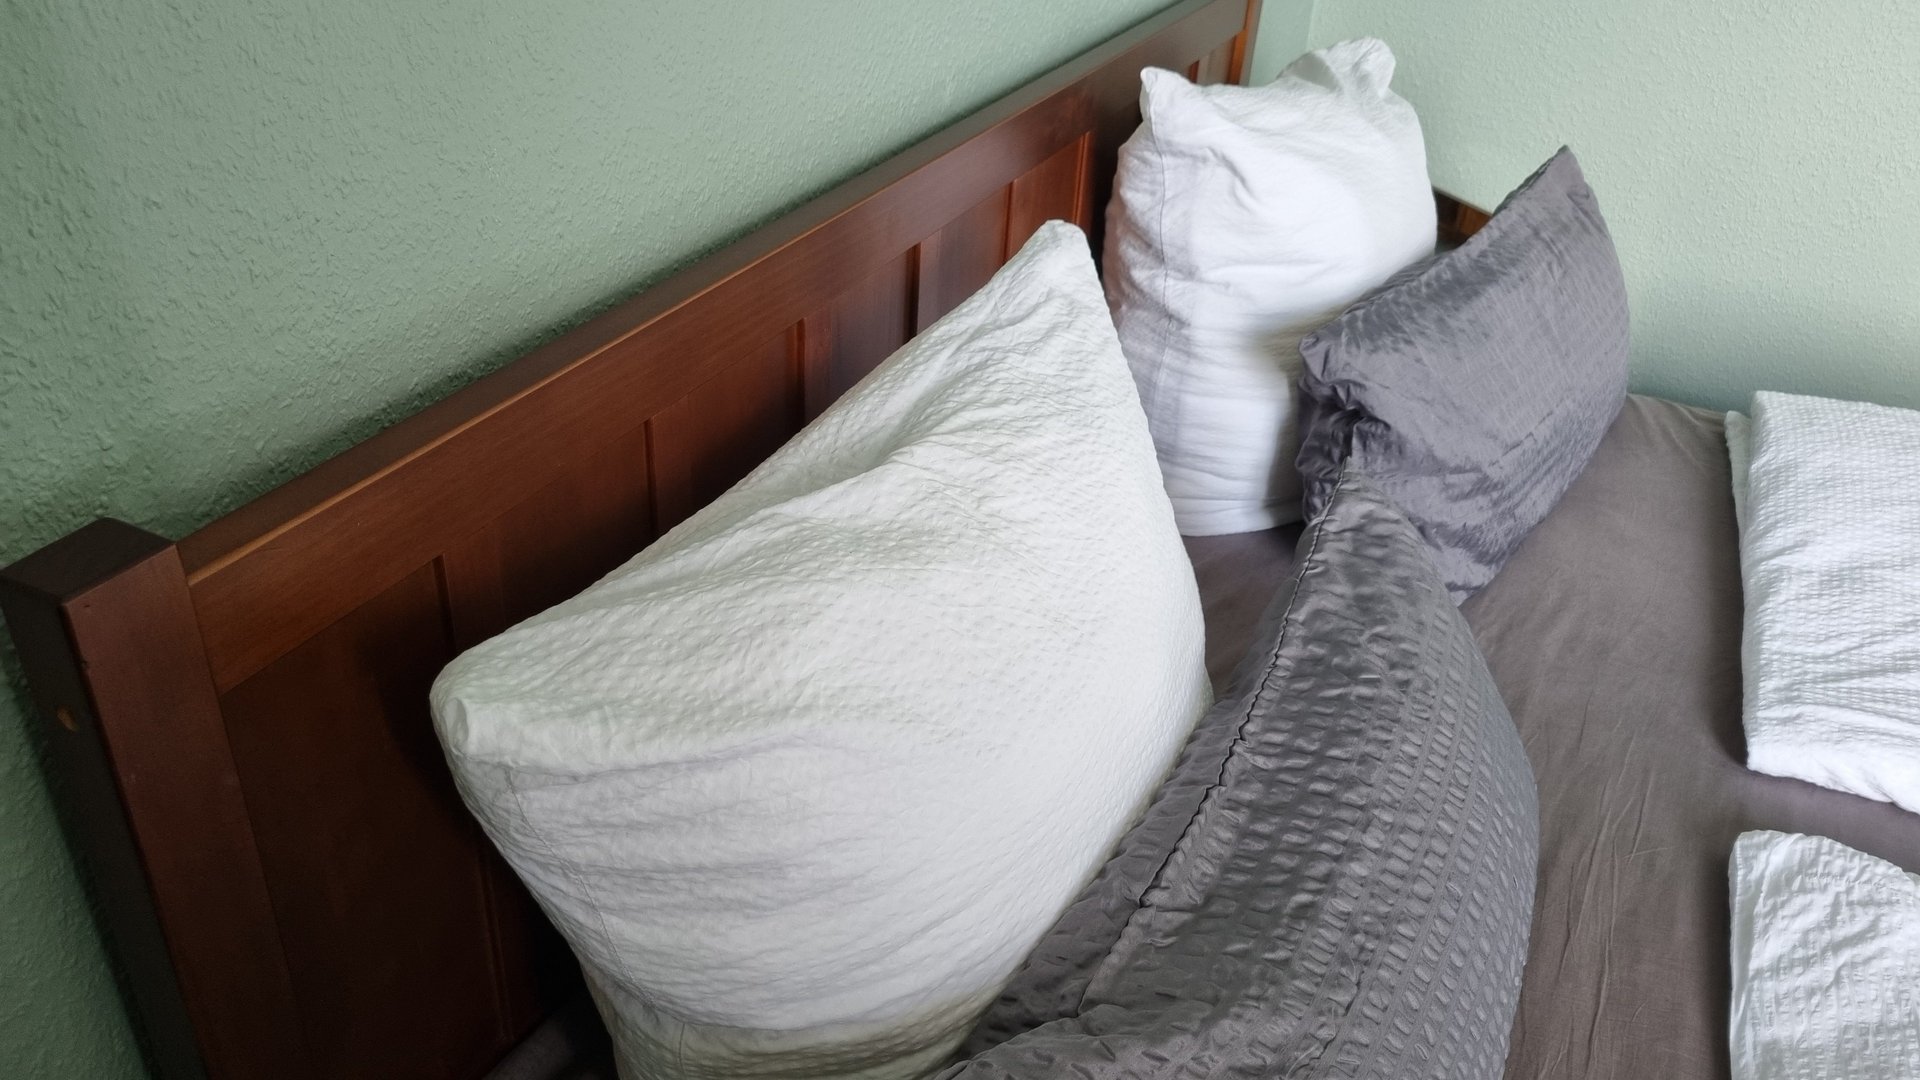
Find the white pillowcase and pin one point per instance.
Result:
(1826, 962)
(1830, 558)
(803, 782)
(1739, 450)
(1243, 219)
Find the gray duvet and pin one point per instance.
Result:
(1337, 880)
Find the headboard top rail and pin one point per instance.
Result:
(228, 537)
(636, 352)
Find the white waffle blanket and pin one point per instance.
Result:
(1830, 554)
(1826, 962)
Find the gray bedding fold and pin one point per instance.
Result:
(1338, 879)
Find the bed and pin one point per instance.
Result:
(293, 889)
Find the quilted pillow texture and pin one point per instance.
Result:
(1826, 959)
(1474, 389)
(1241, 219)
(1830, 560)
(1336, 881)
(804, 781)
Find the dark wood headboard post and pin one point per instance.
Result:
(106, 631)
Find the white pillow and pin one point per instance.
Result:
(803, 782)
(1243, 219)
(1739, 450)
(1830, 558)
(1826, 962)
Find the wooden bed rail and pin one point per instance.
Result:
(238, 721)
(1458, 219)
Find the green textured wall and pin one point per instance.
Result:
(1759, 161)
(238, 236)
(1284, 28)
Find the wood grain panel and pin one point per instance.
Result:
(1215, 67)
(555, 543)
(1055, 189)
(815, 347)
(377, 872)
(958, 259)
(867, 323)
(703, 443)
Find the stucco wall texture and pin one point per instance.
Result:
(237, 237)
(1758, 160)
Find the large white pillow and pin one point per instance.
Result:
(1242, 219)
(803, 782)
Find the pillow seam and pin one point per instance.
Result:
(572, 873)
(1239, 737)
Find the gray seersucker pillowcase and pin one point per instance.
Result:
(1336, 880)
(1474, 387)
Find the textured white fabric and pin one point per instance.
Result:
(1739, 452)
(1242, 219)
(1826, 962)
(1831, 561)
(803, 782)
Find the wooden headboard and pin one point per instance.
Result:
(238, 719)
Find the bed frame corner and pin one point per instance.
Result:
(105, 630)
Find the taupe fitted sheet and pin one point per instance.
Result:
(1614, 636)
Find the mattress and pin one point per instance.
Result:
(1614, 636)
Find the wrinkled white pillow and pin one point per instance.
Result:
(803, 782)
(1242, 219)
(1826, 962)
(1830, 562)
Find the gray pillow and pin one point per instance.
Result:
(1337, 879)
(1473, 387)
